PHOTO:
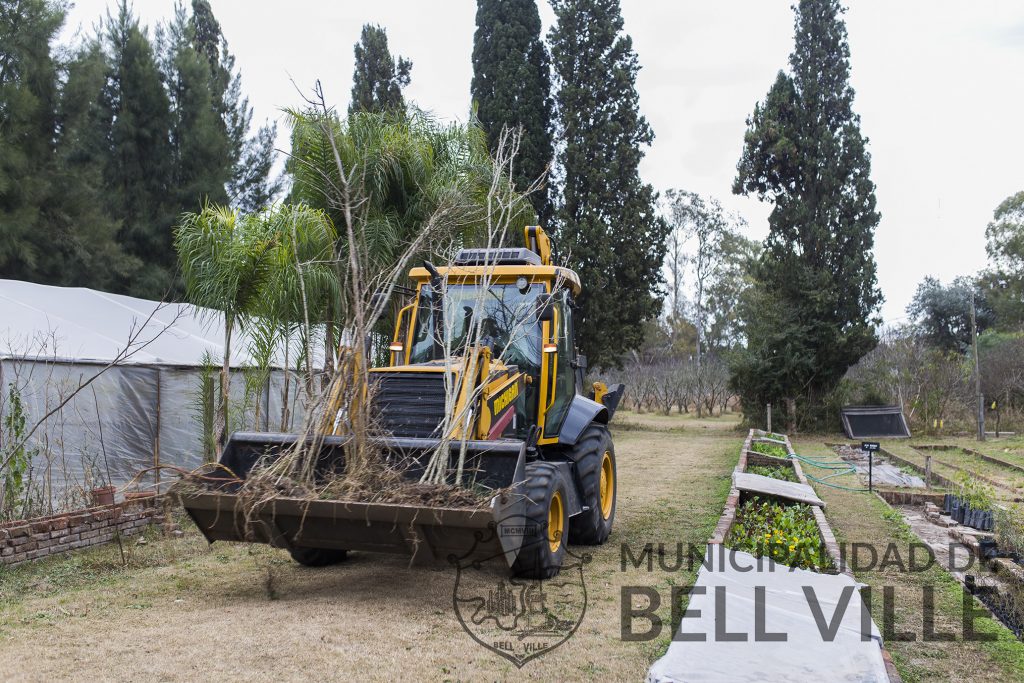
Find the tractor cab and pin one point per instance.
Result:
(516, 304)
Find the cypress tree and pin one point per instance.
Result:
(512, 87)
(378, 80)
(140, 164)
(607, 222)
(804, 153)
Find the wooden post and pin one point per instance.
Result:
(156, 437)
(769, 417)
(927, 471)
(977, 374)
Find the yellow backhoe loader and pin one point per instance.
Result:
(510, 400)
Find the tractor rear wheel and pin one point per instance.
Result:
(543, 549)
(318, 557)
(594, 454)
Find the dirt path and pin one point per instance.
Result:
(182, 611)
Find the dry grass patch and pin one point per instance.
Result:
(185, 611)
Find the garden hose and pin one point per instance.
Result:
(841, 468)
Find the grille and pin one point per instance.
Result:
(409, 404)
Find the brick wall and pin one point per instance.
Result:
(912, 497)
(31, 539)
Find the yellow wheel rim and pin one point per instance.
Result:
(607, 485)
(556, 521)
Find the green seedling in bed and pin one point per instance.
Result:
(774, 471)
(787, 534)
(772, 449)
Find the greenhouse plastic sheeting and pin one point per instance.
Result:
(144, 409)
(806, 655)
(84, 325)
(108, 431)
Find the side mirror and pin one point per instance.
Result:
(545, 308)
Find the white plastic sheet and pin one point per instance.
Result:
(144, 410)
(805, 656)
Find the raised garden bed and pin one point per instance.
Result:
(744, 512)
(786, 533)
(774, 471)
(775, 450)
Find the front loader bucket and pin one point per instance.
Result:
(423, 532)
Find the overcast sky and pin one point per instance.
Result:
(938, 83)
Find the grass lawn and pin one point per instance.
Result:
(182, 610)
(863, 518)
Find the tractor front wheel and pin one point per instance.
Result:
(547, 527)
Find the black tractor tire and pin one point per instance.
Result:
(543, 549)
(318, 557)
(592, 526)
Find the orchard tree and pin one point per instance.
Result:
(804, 153)
(378, 79)
(511, 88)
(607, 224)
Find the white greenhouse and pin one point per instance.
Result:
(138, 378)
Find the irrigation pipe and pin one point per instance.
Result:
(841, 468)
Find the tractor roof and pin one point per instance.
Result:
(502, 274)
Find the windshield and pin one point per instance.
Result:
(507, 319)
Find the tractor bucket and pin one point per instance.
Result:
(423, 532)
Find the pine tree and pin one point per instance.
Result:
(512, 88)
(377, 81)
(804, 153)
(28, 101)
(86, 251)
(202, 151)
(250, 186)
(607, 223)
(140, 165)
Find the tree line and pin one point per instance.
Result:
(106, 142)
(927, 364)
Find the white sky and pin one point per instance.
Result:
(938, 83)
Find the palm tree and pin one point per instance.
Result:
(226, 260)
(303, 284)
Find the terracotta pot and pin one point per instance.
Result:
(104, 495)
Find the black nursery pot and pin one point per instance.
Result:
(947, 503)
